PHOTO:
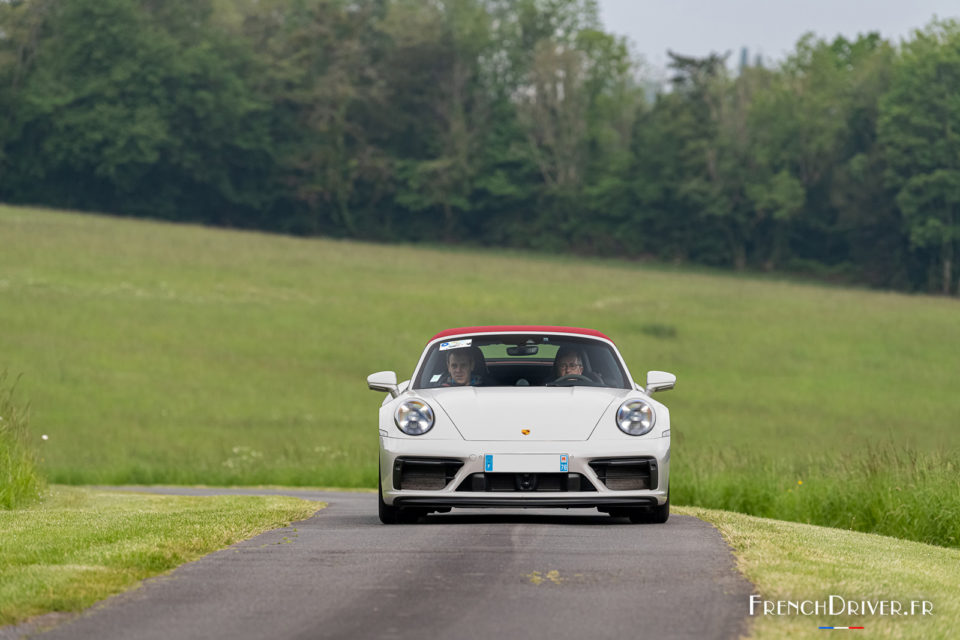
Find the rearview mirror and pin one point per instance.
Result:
(523, 350)
(660, 381)
(384, 381)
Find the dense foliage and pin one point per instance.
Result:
(499, 122)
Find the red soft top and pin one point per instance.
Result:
(519, 328)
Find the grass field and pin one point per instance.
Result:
(82, 545)
(161, 353)
(799, 562)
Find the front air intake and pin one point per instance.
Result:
(526, 482)
(424, 474)
(626, 474)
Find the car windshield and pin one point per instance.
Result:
(521, 361)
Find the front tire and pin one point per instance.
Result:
(395, 515)
(654, 515)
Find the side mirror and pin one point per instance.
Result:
(384, 381)
(660, 381)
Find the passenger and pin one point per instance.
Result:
(461, 368)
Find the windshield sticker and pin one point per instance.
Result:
(455, 344)
(435, 378)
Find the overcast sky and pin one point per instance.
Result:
(768, 27)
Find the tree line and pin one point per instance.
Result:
(515, 123)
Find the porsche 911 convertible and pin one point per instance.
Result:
(523, 416)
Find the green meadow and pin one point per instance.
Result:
(82, 545)
(159, 353)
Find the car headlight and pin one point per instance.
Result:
(414, 417)
(636, 417)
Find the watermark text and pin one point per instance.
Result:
(839, 606)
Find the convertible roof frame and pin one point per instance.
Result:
(519, 328)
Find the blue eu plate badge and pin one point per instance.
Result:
(563, 462)
(488, 462)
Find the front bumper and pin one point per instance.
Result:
(471, 455)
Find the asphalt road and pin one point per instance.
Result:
(467, 574)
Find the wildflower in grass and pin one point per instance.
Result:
(243, 456)
(329, 452)
(799, 481)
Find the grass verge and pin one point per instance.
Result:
(883, 489)
(20, 482)
(81, 545)
(791, 561)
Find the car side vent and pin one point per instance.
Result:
(424, 474)
(627, 474)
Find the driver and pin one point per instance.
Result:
(461, 366)
(569, 362)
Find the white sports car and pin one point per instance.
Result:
(523, 416)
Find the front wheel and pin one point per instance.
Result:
(395, 515)
(653, 515)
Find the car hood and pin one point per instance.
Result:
(503, 413)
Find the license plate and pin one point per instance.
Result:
(526, 463)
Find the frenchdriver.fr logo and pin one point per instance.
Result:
(836, 605)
